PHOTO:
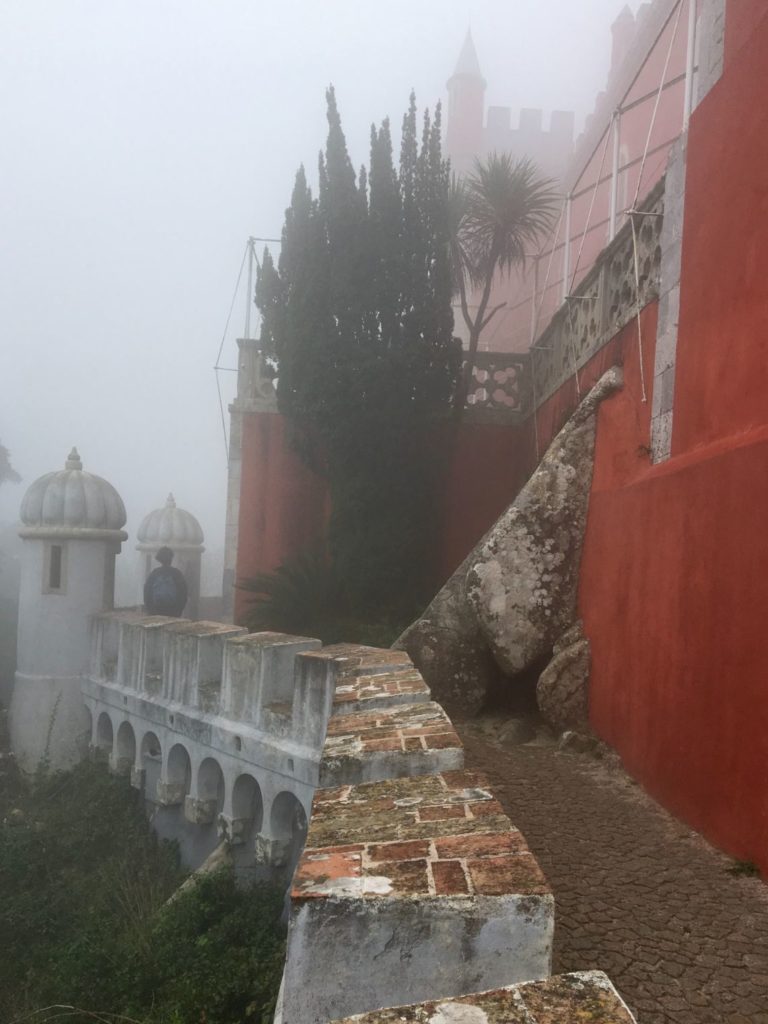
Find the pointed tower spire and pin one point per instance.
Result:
(466, 109)
(468, 63)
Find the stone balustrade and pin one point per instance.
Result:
(625, 277)
(604, 300)
(500, 389)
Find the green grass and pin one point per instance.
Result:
(84, 918)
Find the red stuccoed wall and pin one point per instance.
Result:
(283, 505)
(723, 348)
(488, 465)
(674, 579)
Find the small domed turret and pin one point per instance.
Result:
(170, 526)
(72, 499)
(72, 530)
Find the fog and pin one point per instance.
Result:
(142, 142)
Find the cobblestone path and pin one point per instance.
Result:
(637, 894)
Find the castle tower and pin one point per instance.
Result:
(72, 531)
(466, 109)
(174, 528)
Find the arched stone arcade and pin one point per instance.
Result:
(209, 779)
(124, 754)
(105, 736)
(207, 803)
(176, 783)
(288, 830)
(151, 760)
(247, 811)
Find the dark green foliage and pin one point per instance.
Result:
(304, 596)
(358, 318)
(744, 867)
(299, 597)
(215, 954)
(84, 919)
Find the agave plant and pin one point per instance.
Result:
(300, 596)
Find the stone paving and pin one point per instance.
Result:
(637, 894)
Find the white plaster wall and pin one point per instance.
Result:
(55, 629)
(386, 952)
(47, 717)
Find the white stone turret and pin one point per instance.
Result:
(72, 530)
(174, 528)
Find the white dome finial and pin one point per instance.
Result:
(170, 501)
(73, 460)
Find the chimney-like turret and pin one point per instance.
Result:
(466, 109)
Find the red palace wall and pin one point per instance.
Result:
(283, 505)
(674, 580)
(489, 464)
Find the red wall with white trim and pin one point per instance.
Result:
(674, 577)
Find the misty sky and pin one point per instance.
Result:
(142, 141)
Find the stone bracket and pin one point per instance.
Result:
(169, 794)
(199, 812)
(274, 852)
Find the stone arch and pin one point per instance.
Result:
(151, 763)
(178, 772)
(105, 734)
(210, 783)
(125, 747)
(247, 809)
(288, 825)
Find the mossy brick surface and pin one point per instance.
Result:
(582, 998)
(411, 739)
(369, 692)
(415, 887)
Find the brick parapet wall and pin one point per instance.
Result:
(415, 885)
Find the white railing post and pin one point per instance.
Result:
(534, 317)
(616, 129)
(690, 57)
(567, 248)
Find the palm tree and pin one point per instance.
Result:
(497, 214)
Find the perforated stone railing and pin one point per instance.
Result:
(501, 386)
(508, 386)
(604, 301)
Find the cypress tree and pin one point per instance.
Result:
(358, 316)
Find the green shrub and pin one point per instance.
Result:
(304, 597)
(85, 918)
